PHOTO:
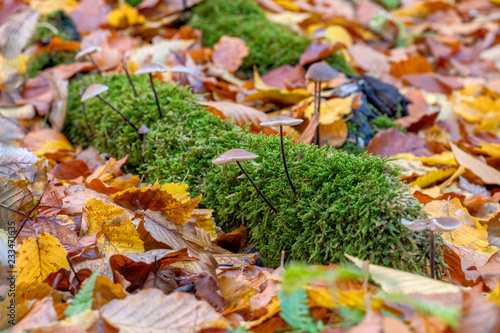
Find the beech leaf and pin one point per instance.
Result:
(151, 311)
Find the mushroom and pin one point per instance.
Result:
(94, 90)
(240, 155)
(151, 68)
(319, 72)
(440, 224)
(183, 71)
(88, 52)
(143, 130)
(124, 65)
(283, 121)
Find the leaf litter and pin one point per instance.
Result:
(161, 263)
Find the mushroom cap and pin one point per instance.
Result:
(320, 71)
(234, 155)
(180, 70)
(88, 50)
(93, 90)
(143, 129)
(440, 224)
(150, 67)
(282, 121)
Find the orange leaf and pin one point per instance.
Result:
(413, 65)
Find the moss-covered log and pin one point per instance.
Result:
(345, 203)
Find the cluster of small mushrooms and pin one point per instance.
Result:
(318, 72)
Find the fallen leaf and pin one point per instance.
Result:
(156, 199)
(41, 314)
(337, 34)
(229, 53)
(177, 312)
(125, 16)
(394, 281)
(413, 65)
(239, 114)
(14, 194)
(14, 159)
(59, 88)
(487, 174)
(390, 142)
(38, 257)
(48, 142)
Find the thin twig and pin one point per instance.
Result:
(31, 211)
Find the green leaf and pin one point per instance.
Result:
(83, 299)
(295, 311)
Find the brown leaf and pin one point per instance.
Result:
(491, 271)
(390, 142)
(317, 51)
(433, 82)
(16, 32)
(487, 174)
(59, 88)
(137, 272)
(71, 169)
(105, 291)
(207, 288)
(240, 114)
(463, 264)
(310, 131)
(90, 15)
(48, 142)
(177, 312)
(478, 315)
(234, 240)
(74, 245)
(41, 314)
(372, 323)
(229, 53)
(371, 61)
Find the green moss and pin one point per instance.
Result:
(271, 44)
(384, 122)
(345, 204)
(47, 60)
(55, 24)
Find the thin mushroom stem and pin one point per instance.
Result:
(143, 145)
(317, 103)
(91, 58)
(156, 96)
(432, 254)
(121, 114)
(284, 160)
(251, 181)
(129, 78)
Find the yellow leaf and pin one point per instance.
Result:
(272, 309)
(99, 212)
(338, 34)
(45, 7)
(334, 134)
(38, 257)
(319, 297)
(156, 199)
(236, 289)
(105, 291)
(178, 191)
(288, 5)
(205, 221)
(492, 149)
(490, 124)
(331, 110)
(488, 174)
(470, 235)
(495, 293)
(120, 235)
(271, 94)
(433, 177)
(445, 158)
(125, 16)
